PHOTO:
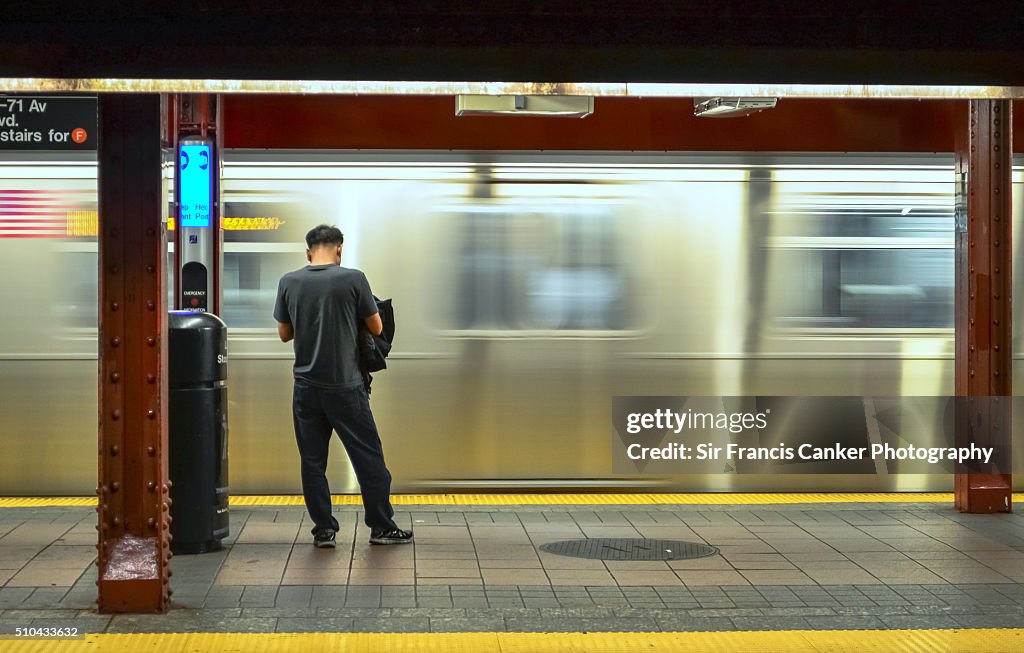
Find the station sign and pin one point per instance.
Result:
(47, 122)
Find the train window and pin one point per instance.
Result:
(74, 298)
(262, 241)
(250, 285)
(868, 254)
(866, 288)
(540, 269)
(77, 307)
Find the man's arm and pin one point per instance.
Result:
(373, 324)
(284, 320)
(285, 331)
(367, 305)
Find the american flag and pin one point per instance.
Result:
(26, 213)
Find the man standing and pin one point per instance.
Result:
(322, 307)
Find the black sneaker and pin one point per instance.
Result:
(390, 536)
(324, 540)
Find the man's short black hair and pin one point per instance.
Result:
(324, 234)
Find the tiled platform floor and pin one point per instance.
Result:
(808, 566)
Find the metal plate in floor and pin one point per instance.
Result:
(607, 548)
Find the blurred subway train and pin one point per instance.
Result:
(530, 288)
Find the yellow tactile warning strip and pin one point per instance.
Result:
(46, 502)
(988, 640)
(724, 499)
(618, 499)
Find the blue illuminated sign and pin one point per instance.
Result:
(195, 183)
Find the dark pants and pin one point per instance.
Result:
(318, 410)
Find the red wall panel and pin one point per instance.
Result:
(429, 122)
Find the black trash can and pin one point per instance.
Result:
(198, 423)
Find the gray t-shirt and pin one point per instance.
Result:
(325, 304)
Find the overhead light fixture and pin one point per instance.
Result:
(561, 106)
(715, 107)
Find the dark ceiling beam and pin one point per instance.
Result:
(783, 41)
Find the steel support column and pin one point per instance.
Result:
(134, 518)
(983, 284)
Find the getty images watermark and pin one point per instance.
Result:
(814, 435)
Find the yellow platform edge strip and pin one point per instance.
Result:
(711, 499)
(985, 640)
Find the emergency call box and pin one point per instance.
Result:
(196, 222)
